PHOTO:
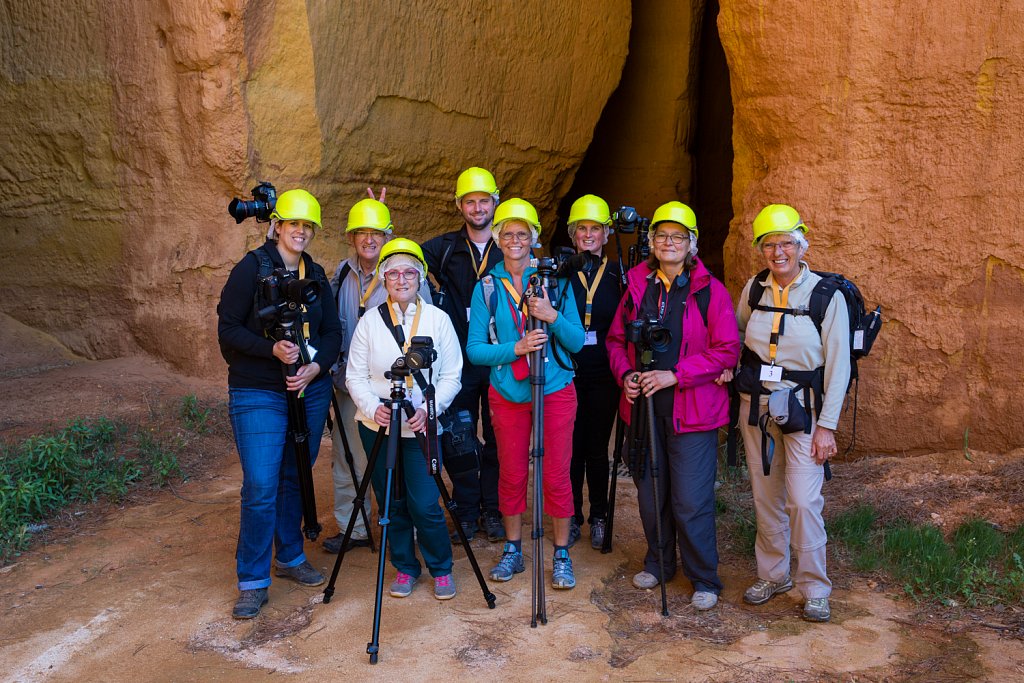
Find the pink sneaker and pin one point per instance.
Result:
(444, 587)
(401, 587)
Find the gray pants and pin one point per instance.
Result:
(344, 489)
(788, 504)
(686, 488)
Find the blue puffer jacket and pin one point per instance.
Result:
(567, 332)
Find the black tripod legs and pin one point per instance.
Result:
(451, 507)
(659, 535)
(351, 463)
(620, 429)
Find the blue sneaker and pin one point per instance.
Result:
(561, 572)
(511, 563)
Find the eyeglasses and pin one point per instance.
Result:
(515, 237)
(396, 275)
(676, 238)
(769, 247)
(368, 233)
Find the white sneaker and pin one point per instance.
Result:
(703, 600)
(645, 580)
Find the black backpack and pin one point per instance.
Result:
(864, 326)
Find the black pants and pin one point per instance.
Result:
(595, 417)
(686, 476)
(477, 491)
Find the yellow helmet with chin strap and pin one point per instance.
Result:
(297, 205)
(401, 245)
(777, 218)
(675, 212)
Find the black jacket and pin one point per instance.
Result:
(592, 359)
(248, 352)
(459, 276)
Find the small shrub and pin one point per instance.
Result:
(194, 415)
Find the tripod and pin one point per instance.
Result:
(350, 461)
(619, 443)
(643, 443)
(397, 404)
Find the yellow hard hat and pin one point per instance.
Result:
(474, 179)
(777, 218)
(401, 245)
(590, 207)
(369, 214)
(297, 205)
(515, 209)
(676, 212)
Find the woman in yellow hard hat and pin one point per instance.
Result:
(678, 374)
(784, 360)
(374, 349)
(271, 507)
(506, 310)
(597, 292)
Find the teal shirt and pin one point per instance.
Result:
(567, 331)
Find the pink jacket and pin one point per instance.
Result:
(700, 404)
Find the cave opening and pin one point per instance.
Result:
(666, 131)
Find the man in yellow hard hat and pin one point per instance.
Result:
(356, 290)
(457, 260)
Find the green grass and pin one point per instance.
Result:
(194, 416)
(86, 461)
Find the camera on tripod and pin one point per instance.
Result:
(564, 262)
(627, 221)
(421, 354)
(283, 293)
(648, 333)
(264, 198)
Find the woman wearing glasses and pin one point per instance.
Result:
(673, 289)
(516, 229)
(786, 356)
(373, 351)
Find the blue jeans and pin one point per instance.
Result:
(271, 504)
(417, 508)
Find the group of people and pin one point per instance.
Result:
(479, 311)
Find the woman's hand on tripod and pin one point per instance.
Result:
(382, 416)
(531, 341)
(631, 385)
(418, 422)
(286, 352)
(301, 379)
(540, 307)
(656, 380)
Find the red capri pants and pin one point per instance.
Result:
(512, 426)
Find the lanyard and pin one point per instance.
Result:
(365, 296)
(302, 276)
(412, 332)
(666, 284)
(781, 299)
(591, 290)
(518, 315)
(483, 259)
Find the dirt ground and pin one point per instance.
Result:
(143, 591)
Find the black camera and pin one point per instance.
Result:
(566, 261)
(628, 221)
(421, 354)
(282, 291)
(264, 197)
(648, 333)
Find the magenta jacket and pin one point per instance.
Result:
(700, 405)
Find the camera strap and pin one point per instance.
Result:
(516, 303)
(387, 313)
(591, 290)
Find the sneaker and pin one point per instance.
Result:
(817, 609)
(561, 570)
(762, 591)
(511, 563)
(444, 587)
(303, 573)
(249, 603)
(401, 587)
(333, 544)
(574, 532)
(597, 529)
(469, 527)
(645, 581)
(703, 600)
(494, 527)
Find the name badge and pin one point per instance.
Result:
(591, 339)
(858, 340)
(468, 310)
(312, 352)
(771, 373)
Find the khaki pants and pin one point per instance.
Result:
(788, 504)
(344, 489)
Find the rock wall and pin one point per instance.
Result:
(126, 127)
(896, 131)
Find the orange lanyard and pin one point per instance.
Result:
(483, 259)
(781, 300)
(591, 290)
